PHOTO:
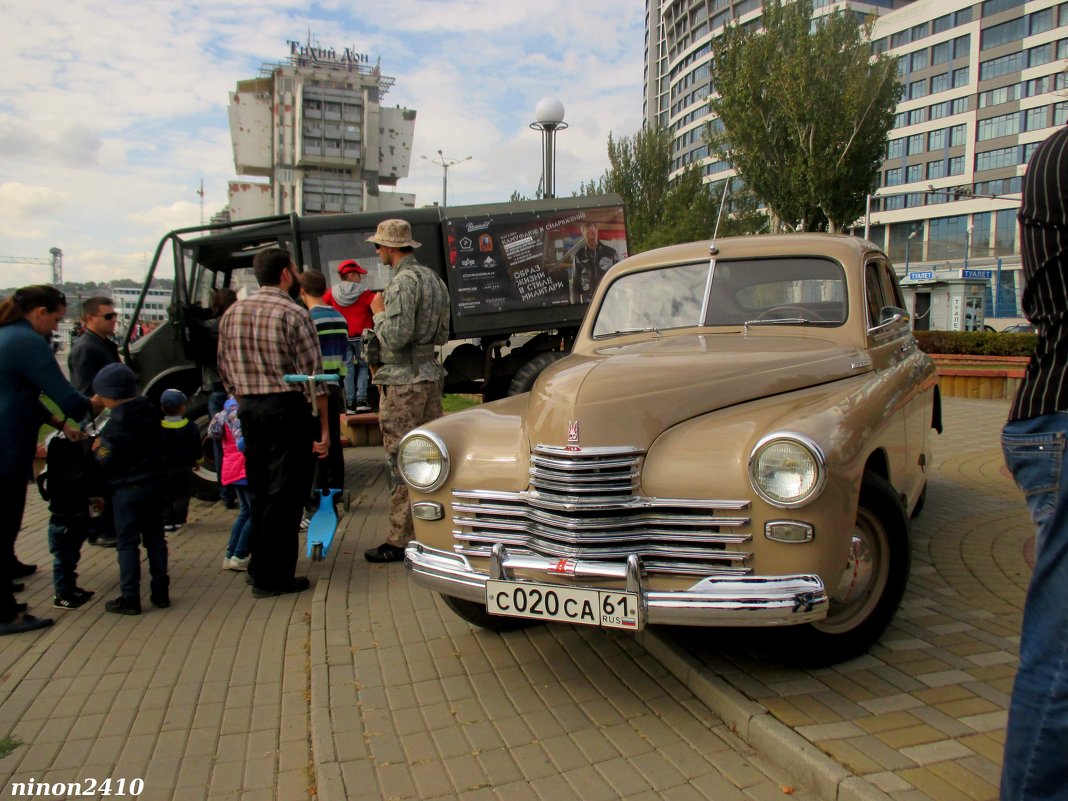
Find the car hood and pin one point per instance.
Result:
(629, 394)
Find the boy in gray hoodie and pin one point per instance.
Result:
(354, 303)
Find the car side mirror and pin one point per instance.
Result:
(891, 314)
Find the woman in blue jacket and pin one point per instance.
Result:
(28, 368)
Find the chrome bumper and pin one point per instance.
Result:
(713, 601)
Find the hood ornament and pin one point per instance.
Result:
(573, 436)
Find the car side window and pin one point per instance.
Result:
(873, 292)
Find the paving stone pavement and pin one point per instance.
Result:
(365, 687)
(923, 715)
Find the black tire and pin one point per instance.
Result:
(205, 477)
(852, 626)
(523, 380)
(921, 502)
(476, 615)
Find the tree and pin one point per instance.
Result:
(805, 112)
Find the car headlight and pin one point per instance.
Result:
(423, 461)
(787, 470)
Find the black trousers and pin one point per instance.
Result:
(12, 505)
(279, 431)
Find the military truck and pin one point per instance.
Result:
(520, 276)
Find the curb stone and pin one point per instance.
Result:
(787, 750)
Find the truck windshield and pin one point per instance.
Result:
(784, 291)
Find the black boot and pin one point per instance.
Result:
(124, 605)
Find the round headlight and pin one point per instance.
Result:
(423, 461)
(786, 471)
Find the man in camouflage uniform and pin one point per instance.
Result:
(411, 317)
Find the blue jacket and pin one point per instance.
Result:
(130, 448)
(27, 368)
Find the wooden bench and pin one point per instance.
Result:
(360, 430)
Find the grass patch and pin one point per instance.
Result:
(457, 403)
(8, 744)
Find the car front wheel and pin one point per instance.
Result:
(871, 586)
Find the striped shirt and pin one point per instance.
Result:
(264, 337)
(1044, 245)
(333, 333)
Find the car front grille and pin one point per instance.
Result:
(585, 505)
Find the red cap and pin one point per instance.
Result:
(350, 266)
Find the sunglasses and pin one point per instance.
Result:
(109, 315)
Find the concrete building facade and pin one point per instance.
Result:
(985, 83)
(315, 128)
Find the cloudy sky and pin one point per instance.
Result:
(111, 114)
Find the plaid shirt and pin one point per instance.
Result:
(264, 337)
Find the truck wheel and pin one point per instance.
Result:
(476, 615)
(871, 587)
(525, 376)
(204, 485)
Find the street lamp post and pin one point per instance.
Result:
(445, 162)
(968, 245)
(908, 247)
(550, 114)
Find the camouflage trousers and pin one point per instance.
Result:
(402, 408)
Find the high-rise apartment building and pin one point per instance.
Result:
(984, 84)
(315, 127)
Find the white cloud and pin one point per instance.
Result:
(113, 114)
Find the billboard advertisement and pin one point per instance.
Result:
(529, 261)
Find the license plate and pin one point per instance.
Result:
(617, 610)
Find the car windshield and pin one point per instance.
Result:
(780, 291)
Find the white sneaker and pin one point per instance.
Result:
(304, 524)
(236, 563)
(226, 565)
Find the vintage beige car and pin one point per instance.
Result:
(738, 438)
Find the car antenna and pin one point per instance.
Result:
(712, 249)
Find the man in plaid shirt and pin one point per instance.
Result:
(261, 339)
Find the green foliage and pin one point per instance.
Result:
(976, 343)
(662, 212)
(457, 403)
(805, 112)
(8, 744)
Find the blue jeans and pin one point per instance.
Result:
(357, 374)
(242, 528)
(65, 538)
(1037, 737)
(139, 521)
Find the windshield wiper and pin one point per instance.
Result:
(780, 321)
(650, 330)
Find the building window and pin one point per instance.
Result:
(894, 202)
(917, 115)
(956, 165)
(959, 106)
(993, 159)
(939, 83)
(917, 89)
(919, 60)
(901, 120)
(1037, 118)
(962, 46)
(915, 144)
(1041, 21)
(994, 97)
(943, 23)
(956, 135)
(939, 110)
(1060, 113)
(936, 140)
(936, 169)
(892, 177)
(914, 173)
(1006, 32)
(1013, 62)
(960, 77)
(895, 148)
(991, 7)
(940, 53)
(1004, 125)
(1005, 233)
